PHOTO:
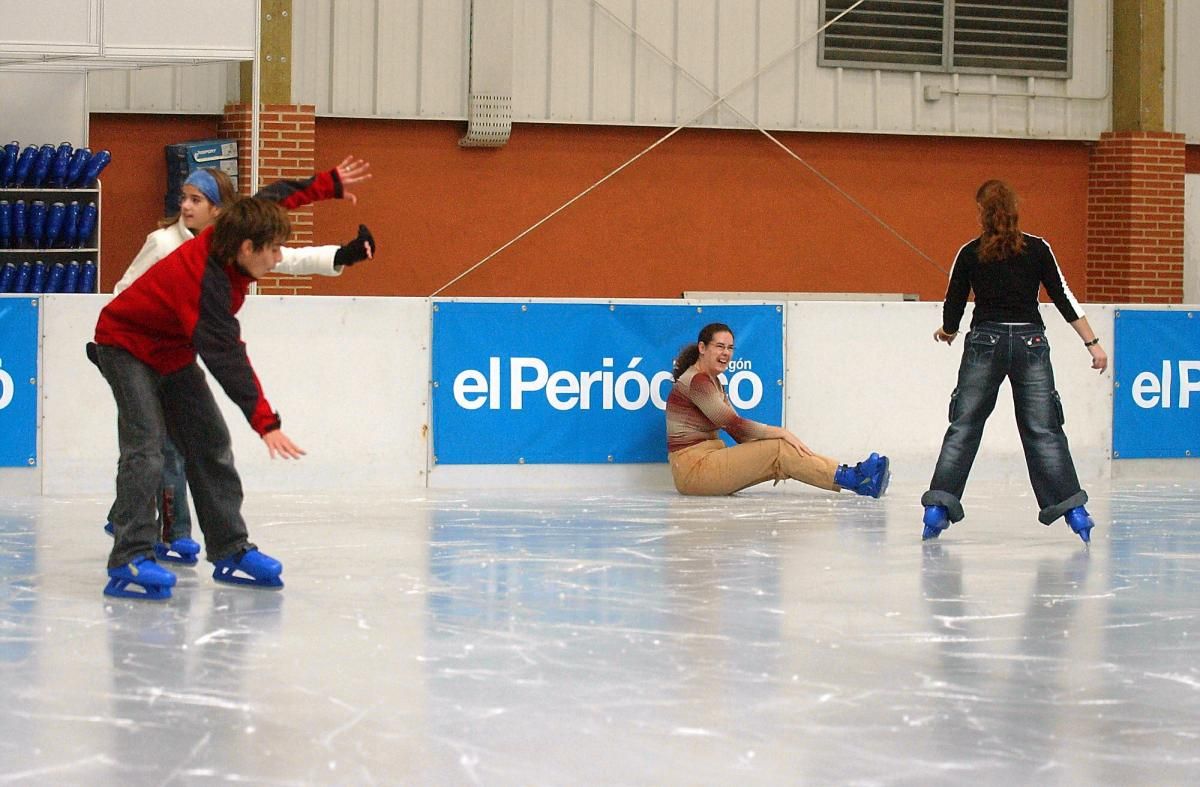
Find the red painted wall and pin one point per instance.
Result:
(706, 210)
(136, 181)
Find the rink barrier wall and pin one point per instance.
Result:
(351, 377)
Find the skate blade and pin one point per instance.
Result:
(119, 588)
(887, 479)
(163, 552)
(229, 575)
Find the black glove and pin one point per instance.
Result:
(357, 250)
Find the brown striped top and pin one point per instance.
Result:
(698, 407)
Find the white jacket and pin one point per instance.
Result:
(304, 261)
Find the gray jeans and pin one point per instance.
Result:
(150, 407)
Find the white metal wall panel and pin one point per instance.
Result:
(893, 114)
(1182, 74)
(570, 56)
(398, 72)
(654, 77)
(49, 27)
(613, 62)
(445, 26)
(352, 59)
(312, 27)
(381, 58)
(200, 89)
(60, 108)
(777, 36)
(107, 91)
(531, 61)
(151, 28)
(697, 37)
(152, 89)
(737, 51)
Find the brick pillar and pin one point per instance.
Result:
(287, 135)
(1135, 218)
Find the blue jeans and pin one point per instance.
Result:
(1021, 353)
(174, 514)
(151, 407)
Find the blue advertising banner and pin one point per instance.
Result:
(576, 383)
(1156, 401)
(18, 381)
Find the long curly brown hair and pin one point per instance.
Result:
(1001, 237)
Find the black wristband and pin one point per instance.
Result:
(1092, 342)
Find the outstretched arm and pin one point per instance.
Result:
(327, 260)
(323, 185)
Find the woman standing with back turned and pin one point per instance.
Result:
(1006, 268)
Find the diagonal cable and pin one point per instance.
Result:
(719, 100)
(729, 106)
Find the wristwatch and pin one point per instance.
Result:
(1093, 341)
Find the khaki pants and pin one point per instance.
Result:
(713, 468)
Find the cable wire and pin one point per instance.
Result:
(720, 99)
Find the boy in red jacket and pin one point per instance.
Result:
(147, 340)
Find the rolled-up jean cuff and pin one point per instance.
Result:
(1050, 514)
(952, 504)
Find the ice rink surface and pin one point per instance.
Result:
(782, 636)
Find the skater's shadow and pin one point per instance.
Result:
(996, 660)
(149, 676)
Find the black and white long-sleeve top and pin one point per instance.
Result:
(1007, 290)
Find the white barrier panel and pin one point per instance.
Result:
(350, 378)
(865, 377)
(348, 375)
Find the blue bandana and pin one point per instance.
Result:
(206, 184)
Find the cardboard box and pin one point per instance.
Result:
(188, 156)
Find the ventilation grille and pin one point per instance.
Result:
(899, 33)
(1029, 37)
(489, 121)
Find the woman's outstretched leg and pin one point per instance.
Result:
(712, 468)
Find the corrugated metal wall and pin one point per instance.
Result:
(1182, 71)
(580, 61)
(164, 89)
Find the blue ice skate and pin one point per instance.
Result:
(1081, 522)
(155, 582)
(249, 567)
(180, 550)
(869, 477)
(936, 520)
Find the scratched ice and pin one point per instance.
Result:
(781, 636)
